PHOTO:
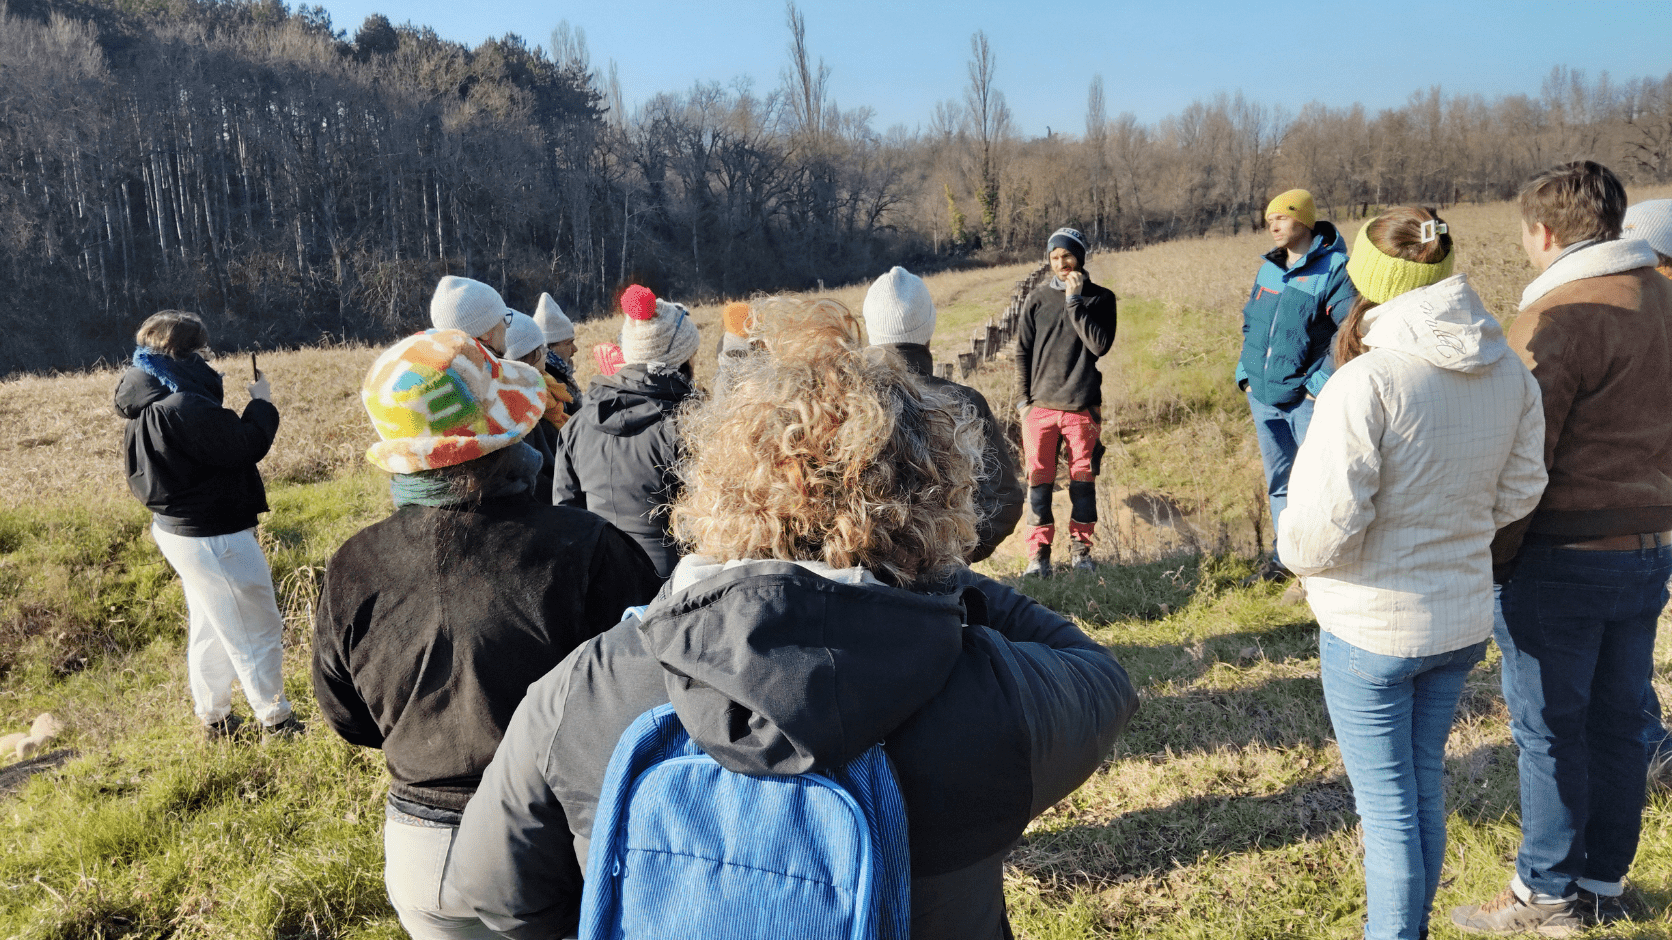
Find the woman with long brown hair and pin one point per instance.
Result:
(1428, 438)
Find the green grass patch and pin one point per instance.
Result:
(80, 582)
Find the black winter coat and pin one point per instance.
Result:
(433, 622)
(1000, 498)
(774, 669)
(191, 461)
(544, 440)
(617, 455)
(1058, 344)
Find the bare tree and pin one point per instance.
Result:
(803, 81)
(1105, 197)
(988, 118)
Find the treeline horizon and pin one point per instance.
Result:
(297, 184)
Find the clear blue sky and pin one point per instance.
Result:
(899, 57)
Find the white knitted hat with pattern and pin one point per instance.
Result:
(468, 305)
(523, 336)
(1652, 222)
(556, 326)
(668, 335)
(898, 309)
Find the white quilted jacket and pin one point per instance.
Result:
(1418, 451)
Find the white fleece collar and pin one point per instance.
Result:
(694, 568)
(1603, 258)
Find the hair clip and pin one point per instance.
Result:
(1432, 230)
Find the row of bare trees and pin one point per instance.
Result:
(249, 161)
(1213, 166)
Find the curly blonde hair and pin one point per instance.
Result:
(822, 453)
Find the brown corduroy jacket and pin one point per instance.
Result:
(1601, 350)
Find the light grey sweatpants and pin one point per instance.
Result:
(414, 871)
(235, 627)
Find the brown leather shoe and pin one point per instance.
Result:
(1507, 913)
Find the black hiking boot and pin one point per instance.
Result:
(224, 730)
(284, 730)
(1601, 909)
(1270, 570)
(1079, 556)
(1039, 566)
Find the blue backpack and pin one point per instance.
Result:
(682, 847)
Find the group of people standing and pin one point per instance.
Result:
(1436, 484)
(784, 557)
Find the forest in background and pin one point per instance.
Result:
(297, 183)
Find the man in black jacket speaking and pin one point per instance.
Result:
(1067, 323)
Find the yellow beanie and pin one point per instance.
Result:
(1296, 204)
(1381, 277)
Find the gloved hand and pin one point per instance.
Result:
(260, 388)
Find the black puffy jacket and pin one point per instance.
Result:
(191, 461)
(617, 455)
(776, 669)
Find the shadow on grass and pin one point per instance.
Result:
(1143, 591)
(18, 774)
(1151, 664)
(1281, 712)
(1155, 841)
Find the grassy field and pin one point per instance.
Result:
(1223, 813)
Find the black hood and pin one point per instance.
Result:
(137, 391)
(636, 397)
(774, 669)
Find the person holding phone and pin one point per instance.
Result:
(192, 462)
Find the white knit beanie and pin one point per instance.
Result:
(463, 304)
(669, 336)
(523, 336)
(553, 324)
(1652, 222)
(898, 309)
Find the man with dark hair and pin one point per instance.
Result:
(1584, 577)
(1067, 324)
(1301, 295)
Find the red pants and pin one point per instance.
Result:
(1042, 429)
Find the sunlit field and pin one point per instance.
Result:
(1224, 811)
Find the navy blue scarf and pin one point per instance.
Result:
(191, 375)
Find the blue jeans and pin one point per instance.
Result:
(1578, 638)
(1655, 737)
(1392, 715)
(1280, 431)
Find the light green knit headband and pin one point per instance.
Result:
(1381, 277)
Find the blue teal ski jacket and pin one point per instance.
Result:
(1290, 320)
